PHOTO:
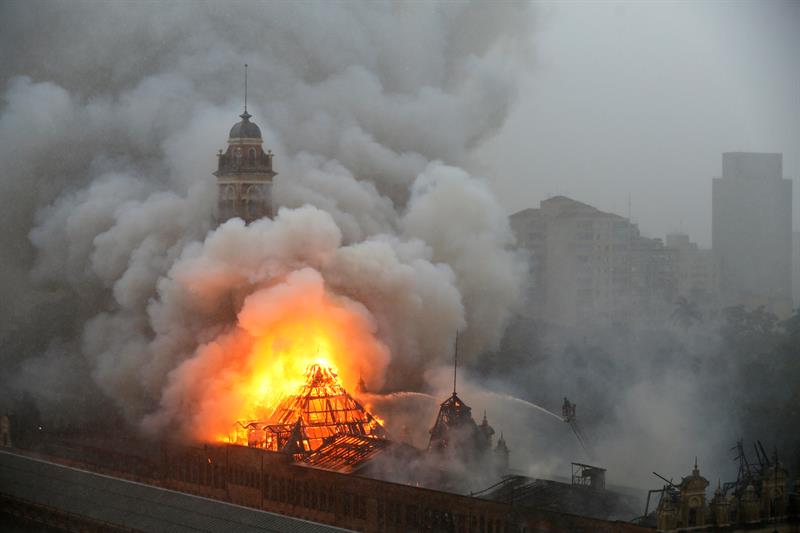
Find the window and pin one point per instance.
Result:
(253, 200)
(251, 156)
(229, 201)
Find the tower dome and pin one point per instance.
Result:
(244, 173)
(245, 129)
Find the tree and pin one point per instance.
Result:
(686, 313)
(764, 354)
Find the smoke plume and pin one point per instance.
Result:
(127, 298)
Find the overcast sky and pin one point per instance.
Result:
(641, 99)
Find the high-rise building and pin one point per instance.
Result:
(796, 268)
(752, 231)
(695, 271)
(588, 266)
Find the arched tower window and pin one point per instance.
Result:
(228, 206)
(237, 156)
(251, 156)
(253, 200)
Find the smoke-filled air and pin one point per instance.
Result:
(129, 303)
(127, 298)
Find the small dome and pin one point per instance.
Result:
(245, 129)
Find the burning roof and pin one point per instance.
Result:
(345, 453)
(315, 421)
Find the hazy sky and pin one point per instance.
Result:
(642, 99)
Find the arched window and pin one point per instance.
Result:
(251, 156)
(228, 206)
(237, 156)
(253, 200)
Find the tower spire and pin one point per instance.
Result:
(455, 365)
(245, 88)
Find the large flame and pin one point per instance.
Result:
(282, 356)
(282, 330)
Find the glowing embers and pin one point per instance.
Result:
(320, 411)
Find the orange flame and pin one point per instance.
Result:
(282, 331)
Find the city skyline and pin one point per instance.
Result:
(600, 121)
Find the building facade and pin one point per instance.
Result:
(752, 231)
(696, 277)
(796, 268)
(762, 499)
(589, 265)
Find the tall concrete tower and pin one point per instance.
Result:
(244, 172)
(752, 231)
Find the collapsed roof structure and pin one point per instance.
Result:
(321, 424)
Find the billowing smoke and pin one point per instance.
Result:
(121, 290)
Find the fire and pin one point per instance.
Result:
(282, 331)
(320, 409)
(281, 357)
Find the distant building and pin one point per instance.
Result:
(752, 231)
(796, 268)
(588, 265)
(653, 277)
(695, 271)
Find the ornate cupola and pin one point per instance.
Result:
(455, 432)
(692, 511)
(244, 172)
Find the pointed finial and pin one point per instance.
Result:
(245, 88)
(455, 365)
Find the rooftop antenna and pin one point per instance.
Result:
(455, 365)
(245, 88)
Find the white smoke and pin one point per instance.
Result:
(110, 122)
